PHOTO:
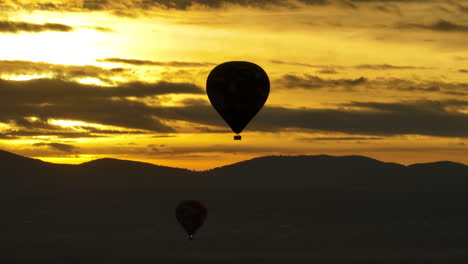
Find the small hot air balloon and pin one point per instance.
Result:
(191, 214)
(237, 90)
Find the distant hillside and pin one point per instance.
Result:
(346, 173)
(276, 209)
(264, 173)
(10, 160)
(25, 175)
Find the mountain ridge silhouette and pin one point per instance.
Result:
(276, 209)
(268, 173)
(9, 156)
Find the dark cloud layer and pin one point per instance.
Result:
(298, 64)
(186, 4)
(387, 67)
(39, 91)
(312, 82)
(56, 99)
(308, 81)
(120, 7)
(19, 67)
(384, 66)
(372, 118)
(432, 118)
(156, 63)
(16, 27)
(102, 29)
(53, 132)
(58, 146)
(35, 129)
(128, 8)
(441, 26)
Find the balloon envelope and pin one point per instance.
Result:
(191, 214)
(237, 90)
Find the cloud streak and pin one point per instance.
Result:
(58, 146)
(377, 67)
(307, 81)
(49, 90)
(312, 82)
(433, 118)
(20, 67)
(156, 63)
(440, 26)
(388, 67)
(57, 99)
(46, 100)
(213, 4)
(18, 26)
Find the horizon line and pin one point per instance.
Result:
(299, 155)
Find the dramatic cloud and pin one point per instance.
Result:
(54, 99)
(42, 128)
(388, 67)
(314, 82)
(128, 8)
(34, 132)
(98, 131)
(441, 25)
(48, 99)
(359, 67)
(187, 4)
(297, 64)
(17, 26)
(58, 146)
(18, 67)
(421, 117)
(334, 66)
(53, 90)
(102, 29)
(157, 63)
(52, 5)
(432, 118)
(327, 71)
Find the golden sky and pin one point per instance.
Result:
(81, 80)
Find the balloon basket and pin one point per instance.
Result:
(237, 137)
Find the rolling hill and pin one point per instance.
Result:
(276, 209)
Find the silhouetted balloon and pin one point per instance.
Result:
(237, 90)
(191, 214)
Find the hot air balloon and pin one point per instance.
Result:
(191, 214)
(237, 90)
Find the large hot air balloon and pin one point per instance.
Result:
(237, 90)
(191, 214)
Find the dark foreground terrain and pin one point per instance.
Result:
(306, 209)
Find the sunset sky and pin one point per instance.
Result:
(81, 80)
